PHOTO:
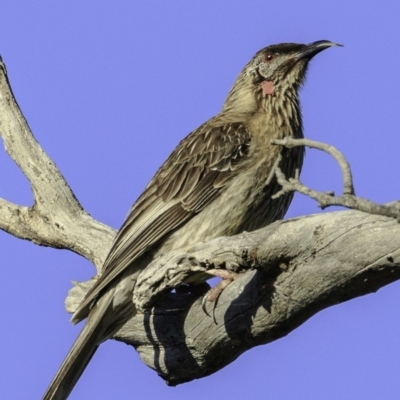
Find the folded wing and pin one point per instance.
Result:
(192, 177)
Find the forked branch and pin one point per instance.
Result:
(56, 219)
(326, 199)
(294, 268)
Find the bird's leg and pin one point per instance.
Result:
(213, 294)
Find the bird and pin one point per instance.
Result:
(219, 181)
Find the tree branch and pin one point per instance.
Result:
(297, 268)
(294, 268)
(56, 219)
(348, 199)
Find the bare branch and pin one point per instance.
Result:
(348, 199)
(297, 268)
(293, 268)
(56, 219)
(343, 163)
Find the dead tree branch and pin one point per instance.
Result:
(56, 219)
(347, 199)
(295, 269)
(292, 269)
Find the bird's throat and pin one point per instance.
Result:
(268, 88)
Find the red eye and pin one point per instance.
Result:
(269, 57)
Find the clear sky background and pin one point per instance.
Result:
(109, 89)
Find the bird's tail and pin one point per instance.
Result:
(91, 336)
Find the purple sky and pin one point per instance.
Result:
(100, 85)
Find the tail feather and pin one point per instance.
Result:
(91, 336)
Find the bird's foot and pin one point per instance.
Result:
(213, 294)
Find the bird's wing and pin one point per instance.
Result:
(193, 175)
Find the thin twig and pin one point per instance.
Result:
(348, 187)
(348, 199)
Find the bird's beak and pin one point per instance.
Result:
(313, 49)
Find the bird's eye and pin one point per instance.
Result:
(269, 57)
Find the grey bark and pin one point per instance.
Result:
(291, 269)
(56, 219)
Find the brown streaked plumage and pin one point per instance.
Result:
(216, 182)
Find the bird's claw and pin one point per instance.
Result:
(213, 294)
(204, 305)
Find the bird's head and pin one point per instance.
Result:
(270, 73)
